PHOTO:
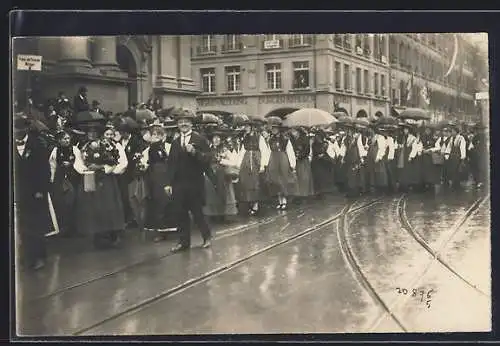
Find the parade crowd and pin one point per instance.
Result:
(148, 167)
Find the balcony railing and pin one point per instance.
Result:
(206, 50)
(230, 47)
(296, 42)
(272, 44)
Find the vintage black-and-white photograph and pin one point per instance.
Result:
(257, 184)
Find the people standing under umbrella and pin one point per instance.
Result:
(301, 144)
(408, 146)
(159, 210)
(432, 159)
(253, 158)
(282, 162)
(220, 200)
(64, 182)
(99, 209)
(31, 182)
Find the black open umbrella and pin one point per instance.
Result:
(281, 112)
(88, 116)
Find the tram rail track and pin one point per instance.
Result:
(351, 261)
(223, 268)
(222, 235)
(399, 302)
(405, 223)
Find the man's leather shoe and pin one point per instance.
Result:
(206, 244)
(179, 248)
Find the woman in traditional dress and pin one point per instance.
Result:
(282, 162)
(407, 173)
(354, 162)
(389, 133)
(431, 166)
(302, 146)
(99, 210)
(377, 174)
(220, 199)
(339, 146)
(322, 165)
(253, 158)
(159, 210)
(64, 182)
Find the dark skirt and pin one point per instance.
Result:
(160, 209)
(280, 177)
(408, 175)
(305, 184)
(220, 201)
(431, 173)
(100, 210)
(323, 175)
(138, 194)
(356, 178)
(340, 172)
(249, 180)
(63, 196)
(376, 174)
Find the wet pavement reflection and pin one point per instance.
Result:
(302, 286)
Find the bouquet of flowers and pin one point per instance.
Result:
(100, 152)
(138, 164)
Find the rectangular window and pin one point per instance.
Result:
(208, 43)
(348, 42)
(297, 40)
(358, 80)
(208, 80)
(347, 77)
(233, 42)
(301, 75)
(382, 84)
(233, 78)
(375, 81)
(367, 82)
(338, 75)
(273, 76)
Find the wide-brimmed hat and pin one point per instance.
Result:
(183, 113)
(21, 123)
(405, 124)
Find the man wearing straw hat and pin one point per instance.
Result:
(31, 183)
(187, 163)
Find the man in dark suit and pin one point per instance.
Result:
(80, 101)
(188, 161)
(31, 186)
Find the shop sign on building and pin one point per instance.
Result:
(286, 99)
(222, 101)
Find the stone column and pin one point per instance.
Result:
(386, 47)
(104, 52)
(168, 62)
(74, 51)
(185, 74)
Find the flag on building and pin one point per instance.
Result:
(425, 97)
(409, 88)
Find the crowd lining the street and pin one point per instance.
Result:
(106, 173)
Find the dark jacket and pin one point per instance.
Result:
(185, 171)
(80, 105)
(31, 171)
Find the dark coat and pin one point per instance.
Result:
(31, 176)
(185, 171)
(135, 145)
(80, 105)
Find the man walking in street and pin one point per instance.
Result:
(185, 182)
(31, 184)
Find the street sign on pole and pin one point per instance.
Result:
(29, 62)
